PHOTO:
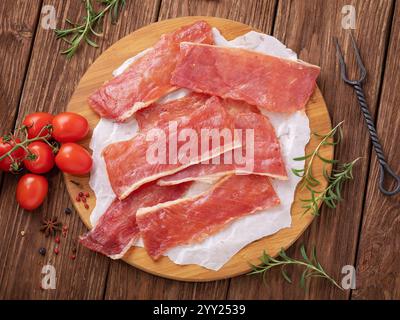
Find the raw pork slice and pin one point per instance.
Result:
(148, 78)
(190, 220)
(161, 151)
(266, 160)
(117, 230)
(272, 83)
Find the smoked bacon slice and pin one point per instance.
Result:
(128, 164)
(269, 82)
(158, 114)
(117, 230)
(191, 220)
(264, 156)
(148, 78)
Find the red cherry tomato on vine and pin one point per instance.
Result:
(17, 155)
(31, 191)
(69, 127)
(35, 123)
(43, 160)
(74, 159)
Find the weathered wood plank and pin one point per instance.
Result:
(378, 273)
(16, 38)
(125, 282)
(307, 27)
(50, 82)
(258, 14)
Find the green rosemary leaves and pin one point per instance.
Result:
(312, 268)
(330, 195)
(85, 31)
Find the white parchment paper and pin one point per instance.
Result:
(292, 131)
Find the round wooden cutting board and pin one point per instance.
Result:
(101, 70)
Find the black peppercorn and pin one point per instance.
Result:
(67, 211)
(42, 251)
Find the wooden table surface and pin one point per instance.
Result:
(363, 230)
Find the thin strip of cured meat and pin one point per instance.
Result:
(159, 114)
(117, 230)
(272, 83)
(266, 159)
(148, 78)
(190, 220)
(161, 151)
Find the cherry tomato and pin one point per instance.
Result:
(17, 155)
(31, 191)
(74, 159)
(69, 127)
(35, 123)
(44, 158)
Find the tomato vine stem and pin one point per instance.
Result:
(23, 144)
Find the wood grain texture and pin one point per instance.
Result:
(137, 282)
(307, 27)
(16, 39)
(378, 272)
(131, 283)
(50, 82)
(101, 71)
(259, 14)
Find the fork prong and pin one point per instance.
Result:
(360, 63)
(341, 61)
(343, 70)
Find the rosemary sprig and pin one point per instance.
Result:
(78, 33)
(313, 269)
(326, 139)
(331, 195)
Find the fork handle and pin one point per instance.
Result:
(384, 167)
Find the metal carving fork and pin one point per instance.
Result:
(357, 86)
